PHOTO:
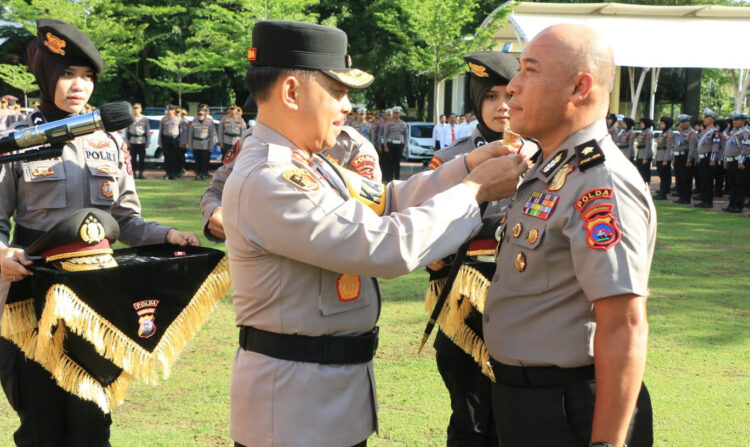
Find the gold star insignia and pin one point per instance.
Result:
(587, 150)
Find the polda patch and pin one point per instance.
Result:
(146, 311)
(590, 196)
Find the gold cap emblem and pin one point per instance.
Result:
(55, 44)
(91, 231)
(479, 70)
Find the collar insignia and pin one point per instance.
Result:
(301, 179)
(560, 177)
(55, 44)
(589, 154)
(555, 162)
(479, 71)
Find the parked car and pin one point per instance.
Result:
(419, 146)
(154, 153)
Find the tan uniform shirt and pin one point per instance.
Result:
(201, 135)
(645, 143)
(230, 129)
(686, 143)
(355, 152)
(169, 127)
(665, 145)
(709, 144)
(396, 132)
(94, 171)
(138, 132)
(288, 265)
(738, 140)
(570, 237)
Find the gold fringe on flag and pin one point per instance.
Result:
(64, 311)
(469, 290)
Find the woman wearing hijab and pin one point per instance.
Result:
(93, 171)
(645, 143)
(664, 155)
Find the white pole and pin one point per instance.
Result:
(654, 86)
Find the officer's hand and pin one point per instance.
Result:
(739, 166)
(688, 163)
(496, 178)
(437, 265)
(645, 162)
(489, 150)
(216, 224)
(182, 238)
(12, 264)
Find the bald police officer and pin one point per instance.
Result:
(565, 320)
(301, 269)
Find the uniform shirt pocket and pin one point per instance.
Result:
(103, 187)
(522, 266)
(340, 292)
(45, 184)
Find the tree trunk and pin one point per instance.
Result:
(740, 87)
(436, 99)
(636, 96)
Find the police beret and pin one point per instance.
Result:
(683, 117)
(288, 44)
(65, 42)
(87, 232)
(493, 66)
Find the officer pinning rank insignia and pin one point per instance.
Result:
(589, 154)
(301, 179)
(541, 205)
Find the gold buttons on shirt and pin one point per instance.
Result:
(533, 235)
(517, 229)
(520, 261)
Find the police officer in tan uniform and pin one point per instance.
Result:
(137, 137)
(459, 346)
(565, 318)
(663, 158)
(93, 171)
(230, 129)
(202, 138)
(709, 145)
(738, 143)
(302, 268)
(396, 137)
(169, 141)
(684, 158)
(645, 145)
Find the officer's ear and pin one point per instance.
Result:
(289, 89)
(583, 83)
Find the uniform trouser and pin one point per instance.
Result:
(560, 416)
(719, 179)
(743, 183)
(385, 166)
(50, 417)
(180, 160)
(201, 161)
(394, 153)
(695, 173)
(471, 423)
(684, 177)
(644, 169)
(138, 157)
(706, 174)
(736, 199)
(665, 176)
(172, 151)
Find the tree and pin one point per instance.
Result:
(18, 76)
(740, 84)
(180, 66)
(437, 37)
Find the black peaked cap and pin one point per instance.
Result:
(84, 228)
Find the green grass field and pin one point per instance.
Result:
(698, 367)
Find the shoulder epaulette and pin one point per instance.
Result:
(589, 154)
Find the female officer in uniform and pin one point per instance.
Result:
(93, 171)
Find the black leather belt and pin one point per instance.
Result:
(200, 139)
(231, 134)
(641, 146)
(324, 349)
(539, 376)
(23, 236)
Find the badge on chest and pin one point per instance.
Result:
(541, 205)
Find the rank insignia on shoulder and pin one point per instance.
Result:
(601, 226)
(541, 205)
(301, 179)
(560, 177)
(479, 141)
(555, 162)
(435, 163)
(348, 287)
(589, 154)
(594, 194)
(231, 153)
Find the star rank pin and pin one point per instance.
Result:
(589, 154)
